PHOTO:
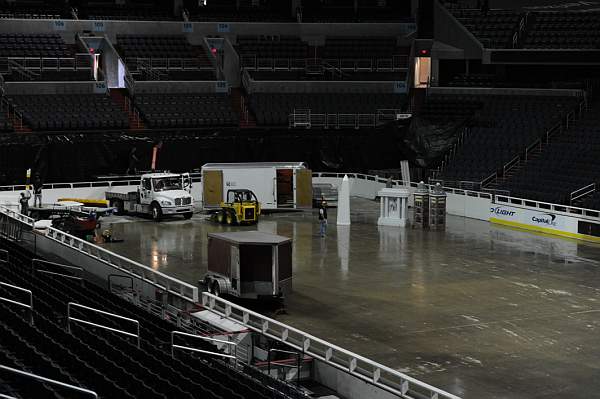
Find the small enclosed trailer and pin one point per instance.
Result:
(249, 264)
(277, 185)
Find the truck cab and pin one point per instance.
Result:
(158, 194)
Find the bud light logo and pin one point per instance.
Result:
(546, 218)
(501, 211)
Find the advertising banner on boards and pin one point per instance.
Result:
(527, 218)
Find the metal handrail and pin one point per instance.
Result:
(185, 291)
(538, 142)
(228, 356)
(70, 318)
(307, 119)
(17, 216)
(49, 381)
(510, 164)
(103, 181)
(35, 261)
(356, 365)
(556, 208)
(535, 144)
(63, 275)
(168, 63)
(488, 179)
(255, 63)
(298, 362)
(22, 304)
(51, 63)
(581, 192)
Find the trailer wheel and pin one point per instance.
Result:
(188, 215)
(216, 289)
(156, 212)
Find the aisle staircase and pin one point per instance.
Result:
(120, 97)
(17, 122)
(239, 103)
(515, 169)
(535, 151)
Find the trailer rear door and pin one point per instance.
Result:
(303, 188)
(212, 188)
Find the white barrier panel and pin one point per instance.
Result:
(544, 221)
(578, 222)
(471, 204)
(9, 195)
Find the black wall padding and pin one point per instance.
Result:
(81, 157)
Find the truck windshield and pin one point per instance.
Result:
(167, 183)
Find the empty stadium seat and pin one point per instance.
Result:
(130, 10)
(328, 75)
(274, 46)
(104, 361)
(494, 29)
(5, 122)
(501, 127)
(164, 57)
(228, 11)
(32, 9)
(186, 110)
(42, 57)
(563, 30)
(70, 112)
(275, 108)
(33, 45)
(366, 11)
(569, 162)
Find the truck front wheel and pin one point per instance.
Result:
(188, 215)
(156, 212)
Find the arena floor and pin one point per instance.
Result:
(478, 310)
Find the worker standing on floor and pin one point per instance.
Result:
(133, 160)
(323, 217)
(24, 203)
(37, 191)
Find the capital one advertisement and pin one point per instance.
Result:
(519, 216)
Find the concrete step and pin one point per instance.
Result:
(19, 126)
(247, 119)
(120, 97)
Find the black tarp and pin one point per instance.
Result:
(81, 156)
(430, 139)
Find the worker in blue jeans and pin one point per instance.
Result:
(323, 217)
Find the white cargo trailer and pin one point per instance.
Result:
(277, 185)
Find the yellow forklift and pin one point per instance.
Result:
(241, 207)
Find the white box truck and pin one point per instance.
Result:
(277, 185)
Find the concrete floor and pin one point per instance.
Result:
(478, 310)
